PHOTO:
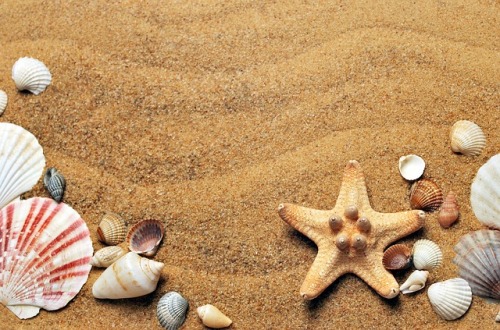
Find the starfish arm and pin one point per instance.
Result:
(377, 277)
(353, 188)
(393, 226)
(309, 222)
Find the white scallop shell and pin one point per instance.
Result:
(31, 74)
(106, 256)
(171, 310)
(485, 193)
(212, 317)
(426, 254)
(45, 250)
(130, 276)
(21, 162)
(415, 282)
(467, 138)
(411, 167)
(3, 101)
(450, 299)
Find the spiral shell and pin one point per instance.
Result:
(426, 254)
(425, 195)
(145, 237)
(212, 317)
(171, 310)
(55, 183)
(105, 257)
(397, 257)
(411, 167)
(415, 282)
(448, 213)
(467, 138)
(3, 101)
(450, 299)
(485, 193)
(31, 74)
(112, 229)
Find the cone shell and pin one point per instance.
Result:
(145, 237)
(397, 257)
(485, 193)
(130, 276)
(450, 299)
(3, 101)
(411, 167)
(112, 229)
(425, 195)
(31, 74)
(45, 250)
(478, 261)
(21, 162)
(448, 213)
(467, 138)
(426, 255)
(105, 257)
(212, 317)
(171, 310)
(415, 282)
(55, 183)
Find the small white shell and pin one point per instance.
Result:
(3, 101)
(467, 138)
(485, 193)
(171, 310)
(450, 299)
(106, 256)
(497, 319)
(426, 254)
(415, 282)
(411, 167)
(31, 74)
(212, 317)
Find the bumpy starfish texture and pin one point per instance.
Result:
(351, 237)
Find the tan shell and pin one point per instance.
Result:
(112, 229)
(448, 213)
(425, 195)
(106, 256)
(212, 317)
(145, 237)
(397, 257)
(467, 138)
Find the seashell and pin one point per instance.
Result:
(497, 319)
(450, 299)
(397, 257)
(45, 252)
(145, 237)
(467, 138)
(448, 213)
(411, 167)
(106, 256)
(171, 310)
(478, 261)
(3, 101)
(31, 74)
(485, 193)
(425, 195)
(130, 276)
(112, 229)
(21, 162)
(212, 317)
(426, 254)
(55, 183)
(415, 282)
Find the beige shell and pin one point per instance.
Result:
(485, 193)
(448, 212)
(415, 282)
(145, 237)
(112, 229)
(3, 101)
(397, 257)
(212, 317)
(450, 299)
(425, 195)
(107, 256)
(411, 167)
(426, 254)
(467, 138)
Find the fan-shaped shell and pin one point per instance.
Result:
(448, 212)
(31, 74)
(3, 101)
(106, 256)
(171, 310)
(426, 254)
(411, 167)
(45, 250)
(467, 138)
(485, 193)
(112, 229)
(21, 162)
(55, 183)
(145, 237)
(478, 261)
(415, 282)
(212, 317)
(425, 195)
(397, 257)
(450, 299)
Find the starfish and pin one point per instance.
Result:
(351, 237)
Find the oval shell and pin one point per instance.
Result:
(3, 101)
(467, 138)
(31, 74)
(112, 229)
(411, 167)
(145, 237)
(55, 183)
(212, 317)
(426, 254)
(448, 212)
(397, 257)
(106, 256)
(171, 310)
(485, 193)
(450, 299)
(44, 255)
(425, 195)
(415, 282)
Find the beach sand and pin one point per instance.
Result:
(207, 115)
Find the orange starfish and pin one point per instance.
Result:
(351, 237)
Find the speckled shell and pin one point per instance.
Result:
(425, 195)
(415, 282)
(450, 299)
(31, 74)
(171, 310)
(485, 193)
(478, 261)
(411, 167)
(45, 250)
(212, 317)
(467, 138)
(55, 183)
(145, 237)
(448, 213)
(106, 256)
(426, 254)
(112, 229)
(3, 101)
(397, 257)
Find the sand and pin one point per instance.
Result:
(208, 114)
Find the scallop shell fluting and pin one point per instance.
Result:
(106, 256)
(450, 299)
(485, 193)
(425, 195)
(467, 138)
(3, 101)
(397, 257)
(145, 236)
(171, 310)
(426, 255)
(55, 183)
(212, 317)
(31, 74)
(112, 229)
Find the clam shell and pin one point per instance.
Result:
(212, 317)
(478, 261)
(171, 310)
(397, 257)
(145, 237)
(411, 167)
(3, 101)
(450, 299)
(448, 212)
(31, 74)
(45, 251)
(105, 257)
(112, 229)
(485, 193)
(467, 138)
(415, 282)
(21, 162)
(425, 195)
(426, 254)
(130, 276)
(55, 183)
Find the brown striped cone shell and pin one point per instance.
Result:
(448, 213)
(112, 229)
(397, 257)
(467, 138)
(425, 195)
(107, 256)
(212, 317)
(145, 237)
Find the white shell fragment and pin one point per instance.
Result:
(485, 193)
(450, 299)
(31, 74)
(411, 167)
(467, 138)
(3, 101)
(171, 310)
(212, 317)
(415, 282)
(426, 254)
(106, 256)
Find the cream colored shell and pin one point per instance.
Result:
(485, 193)
(107, 256)
(3, 101)
(415, 282)
(467, 138)
(112, 229)
(426, 254)
(31, 74)
(450, 299)
(212, 317)
(411, 167)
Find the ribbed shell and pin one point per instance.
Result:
(467, 138)
(171, 310)
(107, 256)
(411, 167)
(415, 282)
(397, 257)
(448, 213)
(212, 317)
(450, 299)
(485, 193)
(112, 229)
(31, 74)
(3, 101)
(426, 254)
(478, 261)
(55, 183)
(425, 195)
(145, 236)
(45, 250)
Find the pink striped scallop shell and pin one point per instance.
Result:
(145, 237)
